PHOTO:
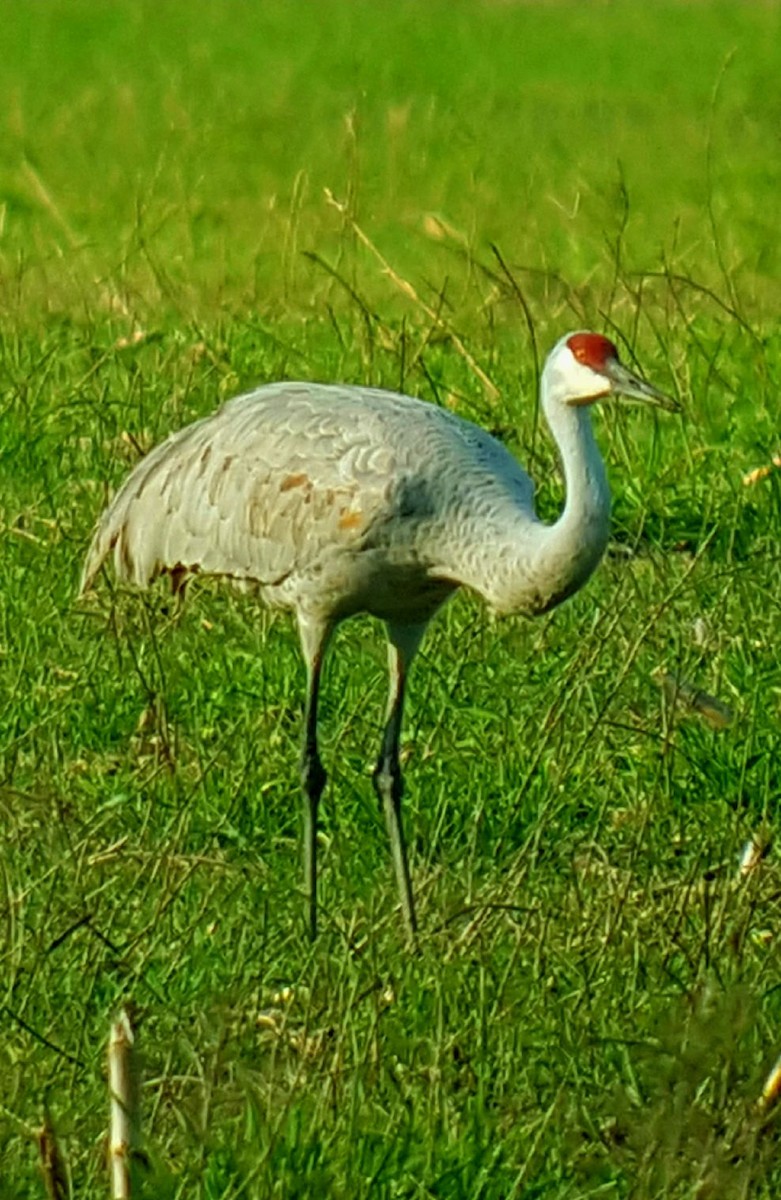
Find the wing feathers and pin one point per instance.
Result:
(251, 492)
(284, 478)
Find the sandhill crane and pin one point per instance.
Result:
(333, 500)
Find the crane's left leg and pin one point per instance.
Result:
(314, 639)
(403, 642)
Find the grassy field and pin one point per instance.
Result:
(196, 198)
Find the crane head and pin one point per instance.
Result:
(585, 367)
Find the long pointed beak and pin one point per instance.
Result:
(625, 383)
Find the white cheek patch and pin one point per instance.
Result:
(579, 383)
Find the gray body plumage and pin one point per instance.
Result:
(332, 501)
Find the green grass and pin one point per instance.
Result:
(595, 1000)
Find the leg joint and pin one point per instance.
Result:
(388, 781)
(313, 774)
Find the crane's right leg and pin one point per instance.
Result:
(314, 639)
(403, 642)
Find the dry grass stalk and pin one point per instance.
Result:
(55, 1177)
(760, 473)
(772, 1089)
(406, 287)
(124, 1092)
(755, 850)
(683, 694)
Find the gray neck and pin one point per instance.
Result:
(550, 562)
(582, 529)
